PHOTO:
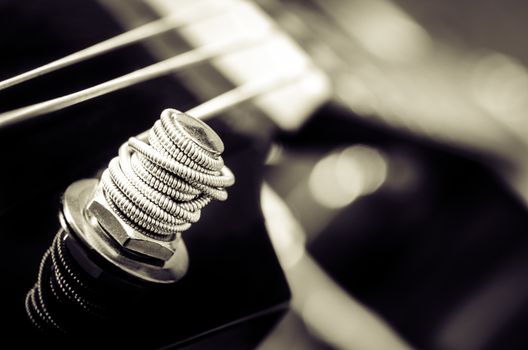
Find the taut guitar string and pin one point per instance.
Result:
(143, 32)
(171, 65)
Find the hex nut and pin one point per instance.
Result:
(100, 211)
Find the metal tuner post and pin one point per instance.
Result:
(122, 233)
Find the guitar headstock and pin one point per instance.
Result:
(378, 140)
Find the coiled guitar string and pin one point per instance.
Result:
(62, 284)
(159, 187)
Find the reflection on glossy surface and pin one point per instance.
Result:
(328, 311)
(341, 177)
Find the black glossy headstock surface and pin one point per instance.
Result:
(234, 288)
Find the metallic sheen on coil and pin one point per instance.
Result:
(159, 185)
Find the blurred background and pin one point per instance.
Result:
(395, 186)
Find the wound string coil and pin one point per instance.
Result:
(159, 185)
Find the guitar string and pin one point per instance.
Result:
(143, 32)
(238, 95)
(171, 65)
